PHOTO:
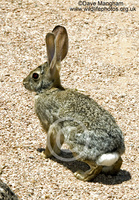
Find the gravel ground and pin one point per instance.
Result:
(102, 62)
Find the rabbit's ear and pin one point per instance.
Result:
(50, 45)
(61, 42)
(57, 48)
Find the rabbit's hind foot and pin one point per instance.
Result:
(89, 174)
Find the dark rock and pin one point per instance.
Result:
(6, 193)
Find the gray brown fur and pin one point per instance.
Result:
(87, 128)
(102, 133)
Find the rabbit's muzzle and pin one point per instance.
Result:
(26, 85)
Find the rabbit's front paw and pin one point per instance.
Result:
(45, 155)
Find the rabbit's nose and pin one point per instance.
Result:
(25, 80)
(24, 83)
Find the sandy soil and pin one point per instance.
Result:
(102, 62)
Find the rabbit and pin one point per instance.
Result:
(73, 118)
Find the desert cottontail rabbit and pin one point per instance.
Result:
(71, 117)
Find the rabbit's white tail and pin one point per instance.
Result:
(107, 159)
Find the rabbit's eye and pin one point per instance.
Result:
(35, 76)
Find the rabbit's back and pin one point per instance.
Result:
(88, 128)
(70, 103)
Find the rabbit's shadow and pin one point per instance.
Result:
(67, 160)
